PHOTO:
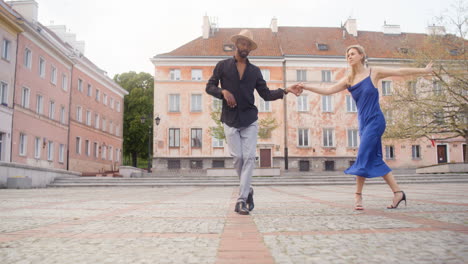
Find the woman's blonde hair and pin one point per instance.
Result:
(361, 51)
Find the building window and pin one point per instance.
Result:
(2, 138)
(301, 75)
(350, 104)
(174, 74)
(25, 97)
(196, 103)
(328, 135)
(39, 104)
(174, 103)
(37, 148)
(23, 144)
(174, 137)
(218, 143)
(4, 93)
(104, 124)
(118, 107)
(111, 153)
(50, 151)
(386, 88)
(218, 164)
(61, 152)
(79, 114)
(104, 99)
(62, 114)
(217, 104)
(42, 65)
(329, 165)
(96, 121)
(264, 106)
(111, 103)
(64, 82)
(6, 49)
(117, 130)
(302, 105)
(326, 76)
(27, 58)
(411, 85)
(96, 150)
(104, 152)
(196, 164)
(388, 114)
(303, 137)
(78, 145)
(87, 148)
(173, 164)
(353, 138)
(52, 110)
(80, 85)
(88, 117)
(327, 105)
(389, 154)
(436, 88)
(415, 152)
(89, 92)
(53, 75)
(117, 155)
(196, 136)
(265, 74)
(98, 95)
(196, 74)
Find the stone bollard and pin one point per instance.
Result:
(19, 182)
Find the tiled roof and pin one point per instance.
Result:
(302, 41)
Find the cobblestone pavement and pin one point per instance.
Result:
(309, 224)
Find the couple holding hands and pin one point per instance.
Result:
(239, 78)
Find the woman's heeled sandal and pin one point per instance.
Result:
(403, 198)
(358, 205)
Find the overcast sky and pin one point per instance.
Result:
(123, 35)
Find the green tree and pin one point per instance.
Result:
(138, 103)
(435, 107)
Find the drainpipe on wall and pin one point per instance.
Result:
(13, 104)
(285, 119)
(69, 115)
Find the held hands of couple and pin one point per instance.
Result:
(296, 89)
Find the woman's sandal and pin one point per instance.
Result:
(403, 198)
(358, 205)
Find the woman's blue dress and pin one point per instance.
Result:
(369, 162)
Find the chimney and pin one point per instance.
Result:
(351, 26)
(274, 25)
(206, 27)
(70, 38)
(391, 29)
(435, 30)
(28, 9)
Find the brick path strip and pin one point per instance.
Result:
(241, 242)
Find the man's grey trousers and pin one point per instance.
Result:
(242, 144)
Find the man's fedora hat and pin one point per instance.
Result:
(247, 35)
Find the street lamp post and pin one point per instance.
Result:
(143, 120)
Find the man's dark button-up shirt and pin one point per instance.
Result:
(245, 113)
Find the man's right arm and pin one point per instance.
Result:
(212, 85)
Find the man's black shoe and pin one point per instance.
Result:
(250, 201)
(241, 208)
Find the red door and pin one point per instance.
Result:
(265, 158)
(441, 153)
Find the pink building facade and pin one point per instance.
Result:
(314, 133)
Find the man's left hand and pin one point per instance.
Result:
(295, 89)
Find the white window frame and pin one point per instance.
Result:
(196, 133)
(25, 95)
(62, 114)
(389, 152)
(302, 103)
(301, 75)
(174, 103)
(217, 143)
(350, 104)
(174, 74)
(61, 152)
(104, 124)
(265, 74)
(37, 147)
(53, 75)
(6, 47)
(353, 138)
(118, 106)
(111, 103)
(23, 144)
(42, 67)
(87, 147)
(52, 110)
(197, 74)
(386, 88)
(50, 151)
(327, 103)
(174, 137)
(264, 106)
(96, 121)
(27, 61)
(196, 103)
(328, 134)
(39, 104)
(98, 95)
(3, 93)
(78, 145)
(89, 91)
(88, 118)
(414, 152)
(95, 150)
(79, 114)
(303, 139)
(104, 99)
(326, 76)
(80, 85)
(64, 82)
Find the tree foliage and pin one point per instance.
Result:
(138, 103)
(434, 107)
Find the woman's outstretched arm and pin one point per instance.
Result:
(338, 87)
(381, 73)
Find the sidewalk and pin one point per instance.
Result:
(310, 224)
